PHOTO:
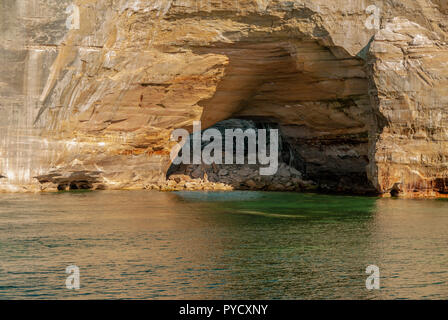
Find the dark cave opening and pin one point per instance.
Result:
(75, 185)
(324, 165)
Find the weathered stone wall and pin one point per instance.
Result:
(358, 106)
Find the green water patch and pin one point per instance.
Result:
(286, 205)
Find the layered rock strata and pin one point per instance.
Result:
(92, 102)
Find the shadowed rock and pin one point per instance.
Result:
(75, 180)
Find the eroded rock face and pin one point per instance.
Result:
(360, 108)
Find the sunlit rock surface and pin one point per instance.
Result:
(361, 109)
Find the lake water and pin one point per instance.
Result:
(234, 245)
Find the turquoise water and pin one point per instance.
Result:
(235, 245)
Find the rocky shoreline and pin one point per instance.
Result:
(233, 177)
(184, 177)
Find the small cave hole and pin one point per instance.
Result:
(80, 185)
(62, 187)
(394, 193)
(73, 186)
(396, 190)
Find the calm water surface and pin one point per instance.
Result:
(236, 245)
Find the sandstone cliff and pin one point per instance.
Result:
(93, 103)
